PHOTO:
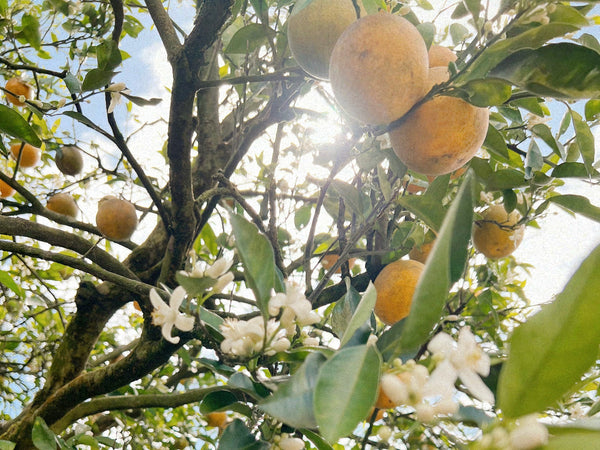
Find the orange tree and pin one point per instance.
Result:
(215, 325)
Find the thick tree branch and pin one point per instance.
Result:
(165, 28)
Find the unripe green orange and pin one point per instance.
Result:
(69, 160)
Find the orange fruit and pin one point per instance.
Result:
(6, 190)
(497, 235)
(440, 56)
(216, 419)
(64, 204)
(422, 252)
(30, 155)
(383, 401)
(395, 286)
(378, 68)
(18, 87)
(68, 159)
(116, 219)
(313, 29)
(331, 258)
(440, 136)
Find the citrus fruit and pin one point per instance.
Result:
(68, 159)
(395, 286)
(64, 204)
(18, 87)
(440, 56)
(383, 401)
(30, 155)
(6, 190)
(314, 27)
(497, 235)
(216, 419)
(331, 258)
(378, 68)
(421, 253)
(440, 135)
(116, 219)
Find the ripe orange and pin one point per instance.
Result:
(378, 68)
(314, 28)
(216, 419)
(64, 204)
(440, 56)
(116, 219)
(421, 253)
(6, 190)
(497, 235)
(395, 286)
(69, 160)
(18, 87)
(383, 401)
(30, 155)
(331, 258)
(440, 136)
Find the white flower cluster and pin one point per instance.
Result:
(168, 316)
(247, 338)
(527, 435)
(432, 395)
(219, 271)
(413, 387)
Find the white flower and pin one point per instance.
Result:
(464, 360)
(167, 316)
(116, 90)
(529, 434)
(296, 308)
(218, 271)
(246, 338)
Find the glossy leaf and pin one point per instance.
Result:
(108, 55)
(585, 140)
(13, 124)
(592, 109)
(572, 169)
(426, 208)
(577, 204)
(292, 402)
(554, 348)
(484, 92)
(97, 79)
(562, 70)
(6, 445)
(30, 30)
(388, 342)
(543, 131)
(444, 266)
(361, 314)
(258, 260)
(317, 440)
(195, 285)
(346, 390)
(572, 440)
(344, 309)
(142, 101)
(237, 437)
(495, 143)
(249, 38)
(43, 438)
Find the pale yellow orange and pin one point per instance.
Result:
(379, 68)
(63, 203)
(116, 219)
(395, 286)
(30, 155)
(498, 234)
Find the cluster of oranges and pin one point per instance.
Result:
(381, 72)
(115, 219)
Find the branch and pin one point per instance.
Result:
(165, 28)
(274, 76)
(120, 402)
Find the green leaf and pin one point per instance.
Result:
(217, 401)
(302, 216)
(533, 105)
(534, 160)
(257, 258)
(445, 265)
(210, 318)
(31, 31)
(362, 313)
(237, 437)
(43, 438)
(13, 124)
(97, 79)
(562, 70)
(572, 440)
(543, 131)
(7, 445)
(108, 55)
(578, 204)
(317, 440)
(7, 280)
(292, 402)
(426, 208)
(195, 285)
(484, 92)
(3, 10)
(354, 199)
(495, 144)
(344, 310)
(81, 118)
(458, 32)
(572, 169)
(427, 30)
(249, 38)
(388, 342)
(592, 109)
(554, 348)
(73, 84)
(496, 52)
(346, 390)
(140, 101)
(585, 140)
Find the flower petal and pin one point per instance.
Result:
(157, 300)
(184, 323)
(166, 332)
(476, 386)
(177, 298)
